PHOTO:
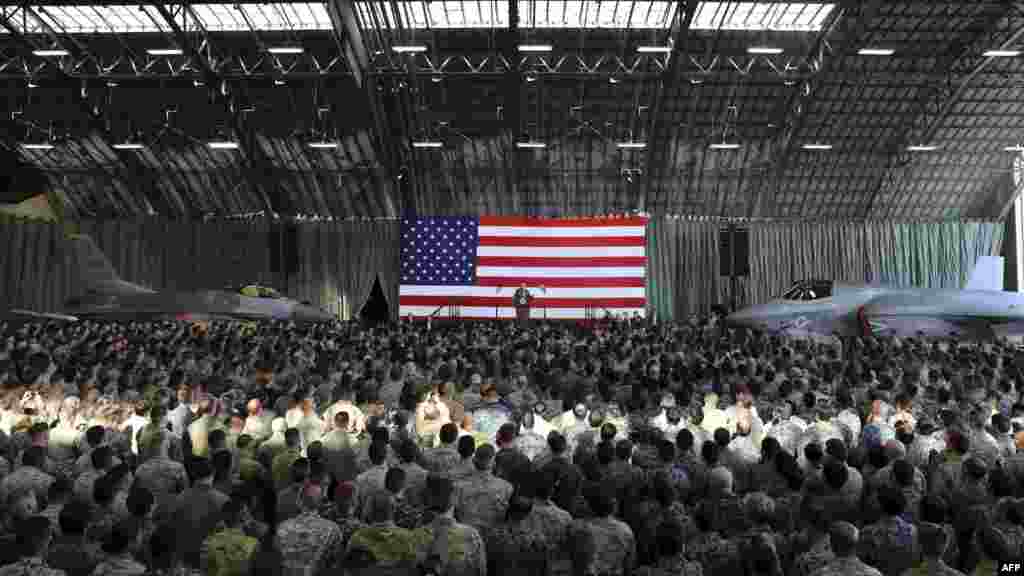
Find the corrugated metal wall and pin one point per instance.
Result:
(335, 263)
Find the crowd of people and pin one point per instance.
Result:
(473, 449)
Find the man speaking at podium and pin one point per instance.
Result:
(521, 300)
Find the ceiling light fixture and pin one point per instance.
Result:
(50, 53)
(654, 49)
(278, 82)
(323, 145)
(922, 148)
(286, 50)
(128, 146)
(164, 52)
(428, 144)
(1001, 54)
(535, 47)
(1018, 148)
(222, 145)
(725, 146)
(32, 84)
(876, 52)
(817, 147)
(765, 50)
(531, 145)
(44, 146)
(632, 145)
(416, 49)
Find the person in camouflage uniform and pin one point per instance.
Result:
(529, 442)
(934, 542)
(34, 536)
(603, 545)
(482, 499)
(891, 545)
(454, 548)
(163, 477)
(407, 514)
(671, 558)
(844, 539)
(444, 458)
(29, 475)
(513, 547)
(309, 543)
(340, 512)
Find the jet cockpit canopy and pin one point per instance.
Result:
(808, 290)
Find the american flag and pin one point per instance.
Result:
(574, 268)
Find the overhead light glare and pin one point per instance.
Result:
(50, 53)
(1018, 148)
(817, 146)
(222, 145)
(164, 52)
(1001, 54)
(414, 49)
(876, 52)
(654, 49)
(535, 47)
(431, 144)
(37, 146)
(286, 50)
(323, 145)
(632, 145)
(278, 82)
(531, 145)
(765, 50)
(128, 146)
(922, 148)
(725, 146)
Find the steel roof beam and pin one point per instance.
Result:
(657, 128)
(129, 165)
(274, 201)
(851, 22)
(924, 126)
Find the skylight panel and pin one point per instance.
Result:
(759, 16)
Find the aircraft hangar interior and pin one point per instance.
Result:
(313, 224)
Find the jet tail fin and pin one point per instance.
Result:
(94, 268)
(987, 274)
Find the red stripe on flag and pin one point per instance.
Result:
(539, 303)
(542, 262)
(515, 281)
(569, 242)
(569, 223)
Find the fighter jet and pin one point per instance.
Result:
(107, 297)
(982, 310)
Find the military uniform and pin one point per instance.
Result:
(367, 484)
(717, 555)
(890, 545)
(308, 544)
(851, 566)
(165, 479)
(34, 566)
(441, 460)
(554, 525)
(409, 515)
(482, 499)
(26, 478)
(604, 547)
(818, 556)
(466, 552)
(346, 523)
(122, 565)
(514, 549)
(678, 566)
